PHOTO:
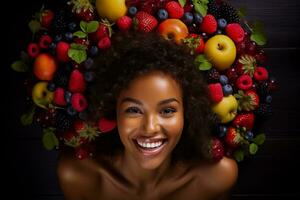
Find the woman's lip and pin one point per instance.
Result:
(150, 151)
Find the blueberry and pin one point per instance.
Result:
(68, 96)
(132, 10)
(51, 86)
(94, 50)
(222, 23)
(71, 111)
(72, 26)
(162, 14)
(68, 36)
(198, 18)
(223, 79)
(227, 90)
(88, 63)
(249, 135)
(188, 18)
(52, 46)
(269, 99)
(89, 76)
(58, 38)
(222, 131)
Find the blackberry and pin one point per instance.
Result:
(213, 8)
(263, 90)
(60, 22)
(213, 76)
(264, 110)
(61, 78)
(229, 13)
(63, 121)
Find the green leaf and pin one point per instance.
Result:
(253, 148)
(27, 118)
(49, 139)
(78, 46)
(259, 139)
(24, 57)
(19, 66)
(77, 55)
(92, 26)
(239, 155)
(182, 2)
(83, 26)
(202, 63)
(80, 34)
(259, 38)
(34, 26)
(201, 6)
(242, 12)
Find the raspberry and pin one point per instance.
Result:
(33, 50)
(209, 24)
(174, 9)
(235, 32)
(124, 23)
(261, 74)
(45, 41)
(216, 92)
(79, 102)
(59, 97)
(104, 43)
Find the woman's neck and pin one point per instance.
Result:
(143, 178)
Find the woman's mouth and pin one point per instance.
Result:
(150, 147)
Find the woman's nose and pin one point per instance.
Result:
(151, 124)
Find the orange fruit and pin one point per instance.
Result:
(44, 67)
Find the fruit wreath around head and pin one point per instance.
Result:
(70, 39)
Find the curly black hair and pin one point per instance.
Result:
(134, 54)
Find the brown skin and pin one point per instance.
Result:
(136, 174)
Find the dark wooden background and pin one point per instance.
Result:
(273, 174)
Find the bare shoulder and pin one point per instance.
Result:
(219, 177)
(75, 176)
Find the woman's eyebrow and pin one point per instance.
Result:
(129, 99)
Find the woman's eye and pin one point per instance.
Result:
(168, 111)
(133, 110)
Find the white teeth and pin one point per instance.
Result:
(150, 145)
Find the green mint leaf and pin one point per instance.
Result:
(78, 46)
(34, 26)
(259, 139)
(201, 6)
(259, 38)
(80, 34)
(253, 148)
(49, 139)
(239, 155)
(77, 55)
(92, 26)
(19, 66)
(27, 118)
(205, 66)
(83, 26)
(182, 2)
(202, 63)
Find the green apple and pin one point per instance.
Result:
(221, 51)
(41, 96)
(226, 109)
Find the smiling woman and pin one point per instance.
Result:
(159, 100)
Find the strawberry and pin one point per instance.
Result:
(106, 125)
(102, 31)
(145, 22)
(217, 149)
(71, 138)
(83, 9)
(33, 50)
(209, 24)
(79, 125)
(195, 42)
(82, 153)
(59, 97)
(232, 75)
(244, 82)
(85, 131)
(174, 10)
(124, 23)
(62, 49)
(248, 100)
(244, 120)
(46, 18)
(261, 74)
(79, 102)
(216, 92)
(86, 15)
(82, 41)
(233, 138)
(104, 43)
(246, 65)
(76, 82)
(235, 32)
(45, 41)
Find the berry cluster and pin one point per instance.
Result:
(225, 47)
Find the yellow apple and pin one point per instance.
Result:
(111, 9)
(226, 109)
(221, 51)
(41, 96)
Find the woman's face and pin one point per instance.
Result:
(150, 118)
